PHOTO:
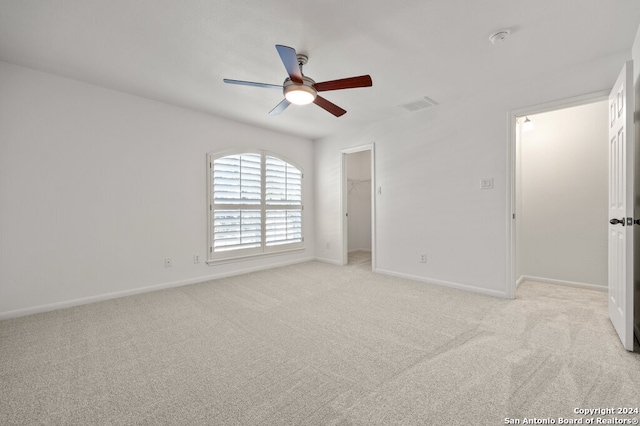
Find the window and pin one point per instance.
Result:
(255, 205)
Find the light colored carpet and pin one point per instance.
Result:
(316, 344)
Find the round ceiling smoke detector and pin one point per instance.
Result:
(499, 36)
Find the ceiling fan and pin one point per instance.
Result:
(301, 90)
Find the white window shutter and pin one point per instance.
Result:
(283, 189)
(256, 205)
(236, 229)
(283, 182)
(236, 179)
(284, 226)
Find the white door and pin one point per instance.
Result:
(621, 167)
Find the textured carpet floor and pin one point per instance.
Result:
(316, 344)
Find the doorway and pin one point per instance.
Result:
(358, 207)
(558, 188)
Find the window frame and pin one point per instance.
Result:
(264, 249)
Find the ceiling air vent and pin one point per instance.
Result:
(423, 103)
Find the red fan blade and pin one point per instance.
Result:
(251, 83)
(329, 106)
(290, 61)
(344, 83)
(280, 107)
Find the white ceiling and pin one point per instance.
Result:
(179, 51)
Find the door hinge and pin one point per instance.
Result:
(630, 221)
(513, 216)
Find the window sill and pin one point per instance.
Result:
(243, 258)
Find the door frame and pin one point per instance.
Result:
(344, 230)
(512, 117)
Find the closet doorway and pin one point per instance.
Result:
(358, 202)
(559, 178)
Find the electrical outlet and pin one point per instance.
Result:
(486, 183)
(423, 258)
(196, 258)
(167, 262)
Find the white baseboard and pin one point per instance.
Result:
(458, 286)
(563, 283)
(520, 281)
(368, 250)
(326, 260)
(107, 296)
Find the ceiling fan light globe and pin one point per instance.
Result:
(300, 94)
(300, 97)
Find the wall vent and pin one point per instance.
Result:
(422, 103)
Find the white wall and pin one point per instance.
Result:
(97, 187)
(429, 165)
(359, 200)
(562, 198)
